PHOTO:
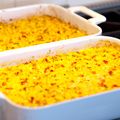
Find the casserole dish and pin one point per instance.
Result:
(66, 15)
(94, 107)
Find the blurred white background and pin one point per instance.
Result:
(15, 3)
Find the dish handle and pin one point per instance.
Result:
(96, 17)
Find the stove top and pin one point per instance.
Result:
(112, 26)
(111, 11)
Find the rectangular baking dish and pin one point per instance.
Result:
(67, 15)
(102, 106)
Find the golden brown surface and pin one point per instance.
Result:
(63, 77)
(35, 30)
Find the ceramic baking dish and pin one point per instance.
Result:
(102, 106)
(67, 15)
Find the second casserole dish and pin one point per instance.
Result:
(45, 23)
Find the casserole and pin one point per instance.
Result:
(95, 107)
(66, 15)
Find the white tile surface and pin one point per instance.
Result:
(83, 2)
(14, 3)
(7, 3)
(60, 2)
(25, 2)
